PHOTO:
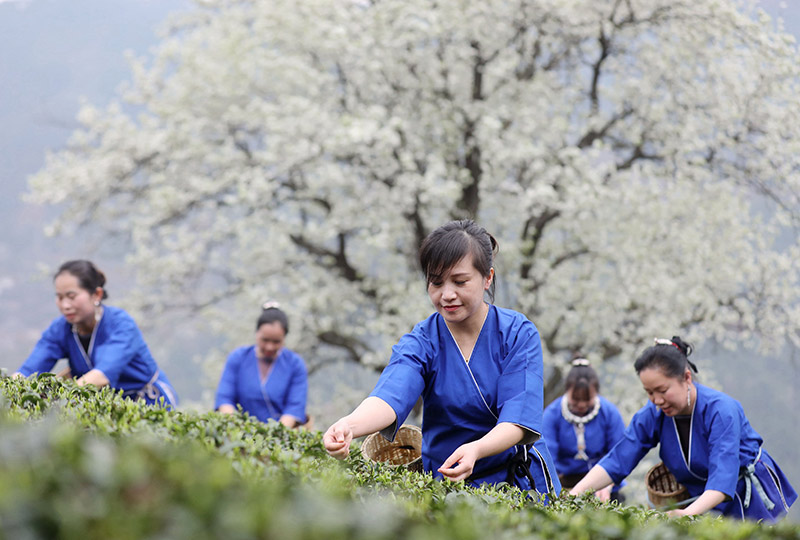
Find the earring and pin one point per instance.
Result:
(688, 396)
(97, 303)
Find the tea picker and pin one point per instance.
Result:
(705, 441)
(267, 380)
(582, 426)
(478, 369)
(102, 344)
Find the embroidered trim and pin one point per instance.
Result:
(165, 392)
(738, 499)
(478, 388)
(87, 355)
(777, 482)
(263, 385)
(688, 462)
(536, 434)
(751, 481)
(548, 479)
(466, 362)
(579, 424)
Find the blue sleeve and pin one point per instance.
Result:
(226, 390)
(122, 343)
(402, 382)
(723, 450)
(298, 391)
(520, 389)
(47, 351)
(640, 436)
(550, 426)
(615, 428)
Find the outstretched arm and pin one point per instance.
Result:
(461, 462)
(95, 377)
(373, 414)
(596, 479)
(294, 410)
(705, 502)
(289, 421)
(65, 373)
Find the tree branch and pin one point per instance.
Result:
(335, 260)
(348, 343)
(537, 225)
(637, 154)
(593, 135)
(469, 202)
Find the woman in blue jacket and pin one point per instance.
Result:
(704, 439)
(102, 344)
(582, 426)
(267, 380)
(478, 369)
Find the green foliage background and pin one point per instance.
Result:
(78, 463)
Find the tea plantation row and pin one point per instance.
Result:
(77, 463)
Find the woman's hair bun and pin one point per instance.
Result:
(270, 304)
(686, 348)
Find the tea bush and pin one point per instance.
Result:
(80, 463)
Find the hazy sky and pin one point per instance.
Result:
(53, 54)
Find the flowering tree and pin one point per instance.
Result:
(637, 161)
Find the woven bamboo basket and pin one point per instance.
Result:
(405, 451)
(662, 487)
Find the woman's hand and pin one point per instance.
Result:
(603, 494)
(95, 377)
(226, 408)
(289, 421)
(372, 415)
(705, 502)
(597, 478)
(338, 438)
(678, 512)
(502, 437)
(465, 457)
(65, 373)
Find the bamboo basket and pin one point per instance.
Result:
(662, 487)
(405, 451)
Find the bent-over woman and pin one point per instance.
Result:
(267, 380)
(582, 426)
(478, 369)
(102, 344)
(705, 441)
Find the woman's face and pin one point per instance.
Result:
(580, 403)
(74, 302)
(269, 340)
(667, 393)
(458, 294)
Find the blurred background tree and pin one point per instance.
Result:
(636, 160)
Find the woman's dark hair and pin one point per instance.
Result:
(450, 243)
(671, 355)
(271, 313)
(580, 378)
(88, 275)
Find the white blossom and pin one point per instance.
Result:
(637, 162)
